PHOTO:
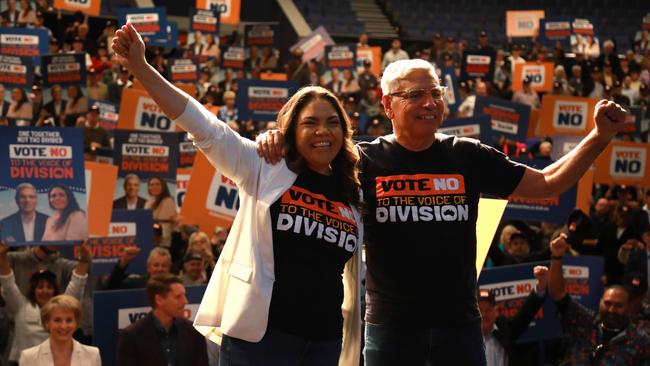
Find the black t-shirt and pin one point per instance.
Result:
(314, 235)
(420, 227)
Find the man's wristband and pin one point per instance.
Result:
(556, 257)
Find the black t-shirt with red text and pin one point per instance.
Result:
(420, 227)
(314, 235)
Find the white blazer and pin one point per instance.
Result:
(41, 355)
(238, 296)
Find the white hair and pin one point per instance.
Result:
(399, 70)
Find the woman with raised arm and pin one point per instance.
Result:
(276, 295)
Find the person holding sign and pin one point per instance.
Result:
(276, 295)
(68, 221)
(43, 285)
(417, 182)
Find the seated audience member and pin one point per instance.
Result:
(164, 336)
(60, 317)
(159, 261)
(500, 333)
(56, 107)
(517, 250)
(95, 136)
(43, 285)
(606, 338)
(131, 200)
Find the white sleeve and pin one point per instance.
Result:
(76, 286)
(14, 299)
(235, 156)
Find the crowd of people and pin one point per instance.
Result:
(46, 294)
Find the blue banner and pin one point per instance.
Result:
(476, 127)
(553, 30)
(205, 21)
(261, 35)
(508, 119)
(261, 100)
(183, 70)
(554, 209)
(48, 167)
(150, 22)
(25, 42)
(116, 310)
(109, 113)
(512, 284)
(146, 154)
(341, 57)
(127, 228)
(450, 80)
(64, 69)
(16, 72)
(171, 40)
(477, 64)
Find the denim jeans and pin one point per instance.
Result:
(278, 348)
(388, 345)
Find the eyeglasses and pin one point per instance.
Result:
(414, 95)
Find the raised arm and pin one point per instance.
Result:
(556, 288)
(14, 298)
(129, 47)
(561, 175)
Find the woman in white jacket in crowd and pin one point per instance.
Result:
(276, 296)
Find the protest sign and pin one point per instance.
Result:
(540, 75)
(624, 162)
(149, 22)
(341, 57)
(171, 38)
(507, 119)
(109, 113)
(510, 286)
(64, 69)
(90, 7)
(138, 111)
(182, 181)
(228, 9)
(477, 64)
(25, 42)
(555, 30)
(183, 70)
(523, 23)
(187, 150)
(233, 57)
(47, 165)
(313, 45)
(373, 54)
(260, 35)
(450, 80)
(100, 186)
(204, 21)
(476, 127)
(16, 72)
(213, 199)
(261, 100)
(563, 115)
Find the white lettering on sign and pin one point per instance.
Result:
(462, 131)
(311, 43)
(39, 152)
(478, 59)
(19, 39)
(78, 3)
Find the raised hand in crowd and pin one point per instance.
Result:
(559, 247)
(541, 274)
(128, 255)
(84, 259)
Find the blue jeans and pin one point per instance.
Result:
(278, 348)
(388, 345)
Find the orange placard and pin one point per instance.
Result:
(585, 187)
(540, 73)
(100, 187)
(624, 162)
(229, 9)
(211, 199)
(139, 112)
(523, 23)
(273, 76)
(90, 7)
(533, 123)
(562, 115)
(374, 55)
